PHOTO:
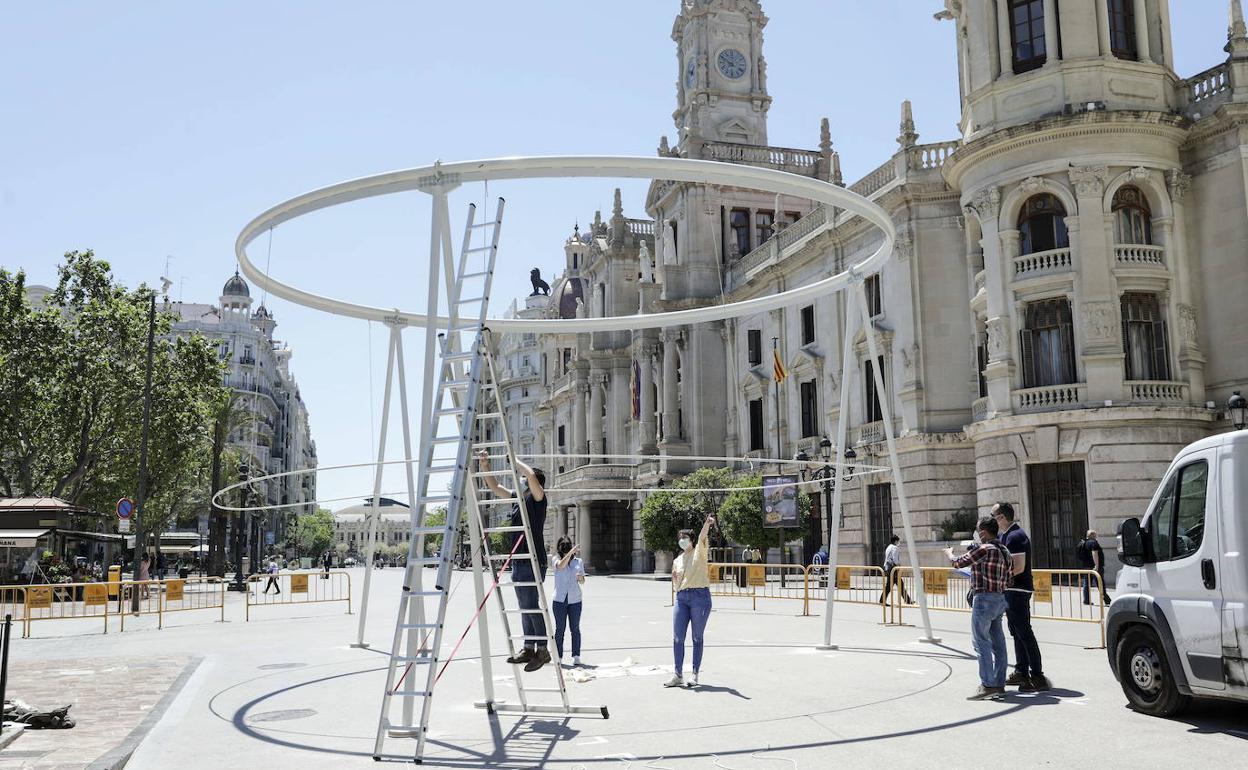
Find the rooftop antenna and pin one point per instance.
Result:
(165, 283)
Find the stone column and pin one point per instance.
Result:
(597, 381)
(671, 399)
(580, 392)
(1094, 307)
(985, 206)
(1102, 28)
(583, 536)
(1142, 44)
(1005, 45)
(647, 351)
(621, 413)
(1050, 32)
(1173, 237)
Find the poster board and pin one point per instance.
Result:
(1042, 586)
(842, 578)
(780, 501)
(39, 597)
(173, 590)
(299, 583)
(936, 581)
(95, 594)
(756, 575)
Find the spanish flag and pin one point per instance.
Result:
(778, 370)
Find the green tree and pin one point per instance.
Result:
(741, 514)
(314, 533)
(666, 512)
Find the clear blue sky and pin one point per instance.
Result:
(146, 129)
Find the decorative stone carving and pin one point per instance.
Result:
(909, 360)
(665, 149)
(1089, 181)
(998, 330)
(1178, 183)
(903, 247)
(1031, 185)
(1099, 322)
(986, 204)
(647, 263)
(668, 256)
(1187, 324)
(1139, 174)
(580, 307)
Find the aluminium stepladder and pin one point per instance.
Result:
(465, 379)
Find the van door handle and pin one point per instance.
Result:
(1207, 574)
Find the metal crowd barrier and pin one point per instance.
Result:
(102, 600)
(855, 584)
(1058, 595)
(758, 581)
(302, 587)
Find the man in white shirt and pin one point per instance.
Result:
(892, 558)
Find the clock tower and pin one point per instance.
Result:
(722, 76)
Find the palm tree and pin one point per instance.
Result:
(230, 415)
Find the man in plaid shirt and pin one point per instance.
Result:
(990, 565)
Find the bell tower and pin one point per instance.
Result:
(721, 93)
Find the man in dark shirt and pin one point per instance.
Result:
(1091, 557)
(1028, 669)
(990, 565)
(535, 653)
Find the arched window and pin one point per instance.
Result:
(1133, 221)
(1122, 28)
(1042, 224)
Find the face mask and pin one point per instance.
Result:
(684, 544)
(563, 550)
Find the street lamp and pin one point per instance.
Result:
(828, 475)
(1237, 408)
(240, 581)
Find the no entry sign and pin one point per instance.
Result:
(125, 507)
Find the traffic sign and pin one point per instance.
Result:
(123, 525)
(125, 507)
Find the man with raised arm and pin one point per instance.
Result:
(535, 654)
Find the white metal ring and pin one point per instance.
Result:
(445, 176)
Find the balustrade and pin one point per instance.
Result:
(1042, 262)
(1157, 391)
(1139, 255)
(1206, 89)
(1048, 397)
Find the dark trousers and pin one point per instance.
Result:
(565, 612)
(1026, 648)
(272, 584)
(1086, 582)
(532, 623)
(889, 579)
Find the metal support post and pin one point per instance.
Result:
(838, 490)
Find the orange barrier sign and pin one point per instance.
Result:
(299, 583)
(842, 578)
(95, 594)
(1042, 586)
(936, 581)
(173, 590)
(39, 597)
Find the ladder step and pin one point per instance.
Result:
(450, 410)
(530, 584)
(448, 440)
(436, 499)
(467, 276)
(505, 556)
(444, 468)
(430, 530)
(416, 693)
(400, 728)
(528, 689)
(489, 415)
(425, 593)
(492, 530)
(491, 445)
(528, 638)
(524, 612)
(460, 356)
(418, 625)
(500, 501)
(414, 658)
(468, 300)
(480, 225)
(480, 249)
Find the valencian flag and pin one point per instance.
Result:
(779, 372)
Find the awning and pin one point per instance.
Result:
(21, 538)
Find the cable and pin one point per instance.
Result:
(480, 606)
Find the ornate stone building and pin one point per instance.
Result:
(1059, 318)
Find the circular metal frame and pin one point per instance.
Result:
(443, 177)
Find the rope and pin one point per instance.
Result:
(480, 606)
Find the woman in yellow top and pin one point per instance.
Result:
(693, 601)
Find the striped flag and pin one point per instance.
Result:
(779, 373)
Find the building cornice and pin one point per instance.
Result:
(1098, 417)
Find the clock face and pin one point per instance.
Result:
(731, 63)
(691, 73)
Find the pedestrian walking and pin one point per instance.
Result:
(693, 601)
(990, 565)
(569, 576)
(1028, 671)
(272, 570)
(1091, 557)
(145, 574)
(892, 560)
(327, 560)
(535, 653)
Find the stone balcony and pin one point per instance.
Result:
(1203, 92)
(1155, 392)
(1043, 263)
(1128, 255)
(794, 161)
(607, 477)
(1049, 398)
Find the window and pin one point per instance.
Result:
(524, 392)
(1176, 526)
(739, 222)
(1027, 35)
(1122, 28)
(1047, 341)
(875, 299)
(1058, 513)
(763, 221)
(874, 412)
(810, 408)
(754, 343)
(808, 324)
(880, 519)
(1144, 339)
(526, 421)
(1133, 221)
(1042, 224)
(562, 437)
(981, 357)
(756, 424)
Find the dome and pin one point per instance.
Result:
(236, 287)
(569, 291)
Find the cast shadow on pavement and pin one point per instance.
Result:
(529, 743)
(1050, 697)
(709, 688)
(1216, 718)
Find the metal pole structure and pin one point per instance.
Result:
(775, 356)
(240, 580)
(886, 412)
(4, 658)
(391, 354)
(838, 489)
(140, 542)
(416, 607)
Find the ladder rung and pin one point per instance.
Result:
(436, 499)
(529, 637)
(524, 612)
(489, 415)
(450, 410)
(467, 276)
(505, 556)
(459, 356)
(500, 501)
(418, 625)
(480, 249)
(490, 445)
(391, 726)
(467, 300)
(448, 440)
(430, 530)
(420, 693)
(530, 584)
(479, 225)
(474, 327)
(413, 658)
(528, 689)
(423, 593)
(443, 468)
(426, 560)
(492, 530)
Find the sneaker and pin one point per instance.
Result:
(576, 660)
(1015, 679)
(539, 658)
(675, 681)
(986, 693)
(524, 656)
(693, 681)
(1036, 683)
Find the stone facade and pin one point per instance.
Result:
(1053, 326)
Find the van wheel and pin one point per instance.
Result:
(1146, 677)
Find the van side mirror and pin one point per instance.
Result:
(1131, 543)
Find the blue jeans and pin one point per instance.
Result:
(532, 623)
(563, 613)
(988, 638)
(692, 605)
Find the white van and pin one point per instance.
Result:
(1178, 628)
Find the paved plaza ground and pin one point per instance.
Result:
(287, 691)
